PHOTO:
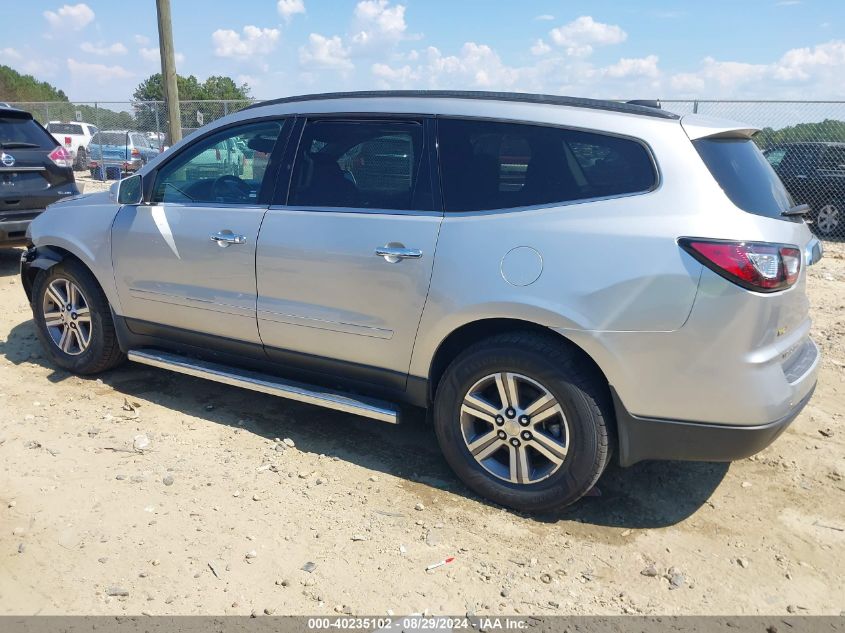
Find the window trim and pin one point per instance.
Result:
(281, 199)
(265, 193)
(658, 174)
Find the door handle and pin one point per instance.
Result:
(394, 254)
(226, 238)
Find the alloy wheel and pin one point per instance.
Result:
(514, 428)
(828, 219)
(67, 316)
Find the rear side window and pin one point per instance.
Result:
(833, 159)
(489, 165)
(745, 175)
(361, 164)
(23, 133)
(65, 128)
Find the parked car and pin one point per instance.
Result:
(814, 174)
(637, 288)
(75, 138)
(34, 171)
(115, 153)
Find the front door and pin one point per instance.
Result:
(344, 267)
(186, 260)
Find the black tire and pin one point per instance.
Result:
(81, 163)
(581, 392)
(103, 351)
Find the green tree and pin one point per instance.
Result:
(827, 130)
(17, 87)
(215, 88)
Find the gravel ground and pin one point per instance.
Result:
(143, 491)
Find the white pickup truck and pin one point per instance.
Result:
(74, 137)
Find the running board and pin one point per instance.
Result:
(264, 383)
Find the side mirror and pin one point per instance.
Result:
(130, 190)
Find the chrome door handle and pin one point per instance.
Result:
(395, 254)
(225, 238)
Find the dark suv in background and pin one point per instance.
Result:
(34, 171)
(814, 173)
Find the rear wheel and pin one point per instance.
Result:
(524, 421)
(73, 320)
(829, 220)
(81, 159)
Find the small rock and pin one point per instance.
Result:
(19, 531)
(140, 442)
(12, 504)
(120, 477)
(237, 493)
(505, 592)
(309, 567)
(746, 484)
(117, 591)
(102, 560)
(554, 604)
(319, 481)
(269, 611)
(676, 579)
(827, 432)
(303, 475)
(168, 480)
(288, 442)
(256, 497)
(742, 562)
(373, 478)
(251, 554)
(155, 562)
(32, 444)
(650, 571)
(359, 537)
(283, 582)
(419, 507)
(791, 609)
(21, 548)
(546, 579)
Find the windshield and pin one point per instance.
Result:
(64, 128)
(110, 138)
(745, 175)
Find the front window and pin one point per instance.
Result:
(228, 167)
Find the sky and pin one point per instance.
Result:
(739, 49)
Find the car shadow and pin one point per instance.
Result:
(647, 495)
(10, 261)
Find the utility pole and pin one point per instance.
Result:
(168, 70)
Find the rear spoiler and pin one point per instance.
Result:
(698, 126)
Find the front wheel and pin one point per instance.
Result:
(73, 320)
(524, 420)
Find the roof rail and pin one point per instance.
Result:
(575, 102)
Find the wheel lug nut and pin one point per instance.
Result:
(515, 442)
(526, 435)
(500, 420)
(510, 413)
(502, 435)
(523, 420)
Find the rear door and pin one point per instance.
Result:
(344, 263)
(186, 262)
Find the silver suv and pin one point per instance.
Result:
(556, 279)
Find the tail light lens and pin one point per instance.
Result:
(68, 141)
(136, 151)
(758, 266)
(61, 157)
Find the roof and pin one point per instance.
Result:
(520, 97)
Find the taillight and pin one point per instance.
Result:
(758, 266)
(68, 141)
(61, 157)
(136, 151)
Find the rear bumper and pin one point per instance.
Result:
(645, 438)
(13, 229)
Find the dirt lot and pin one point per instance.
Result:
(213, 516)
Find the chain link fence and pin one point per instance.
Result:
(803, 140)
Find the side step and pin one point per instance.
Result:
(376, 409)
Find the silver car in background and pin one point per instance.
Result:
(558, 280)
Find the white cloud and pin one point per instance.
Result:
(377, 22)
(580, 36)
(9, 53)
(154, 55)
(633, 67)
(288, 8)
(141, 40)
(104, 49)
(327, 53)
(255, 41)
(100, 73)
(540, 48)
(545, 17)
(800, 73)
(70, 16)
